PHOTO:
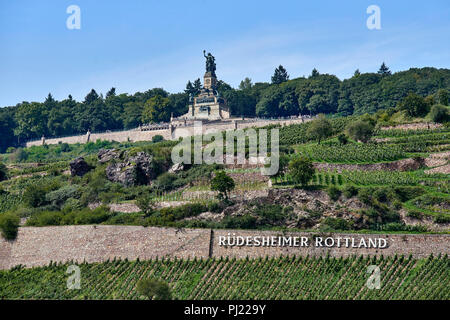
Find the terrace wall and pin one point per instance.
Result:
(36, 246)
(180, 131)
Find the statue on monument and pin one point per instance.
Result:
(210, 62)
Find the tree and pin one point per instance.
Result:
(356, 73)
(49, 102)
(131, 115)
(179, 103)
(342, 138)
(111, 93)
(7, 125)
(440, 113)
(154, 289)
(442, 95)
(31, 119)
(414, 105)
(302, 170)
(91, 97)
(93, 116)
(320, 128)
(222, 183)
(240, 102)
(360, 130)
(314, 73)
(189, 88)
(156, 109)
(9, 225)
(3, 172)
(197, 86)
(246, 84)
(384, 70)
(318, 94)
(280, 75)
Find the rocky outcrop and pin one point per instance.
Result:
(106, 155)
(79, 167)
(135, 170)
(177, 167)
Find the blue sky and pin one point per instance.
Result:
(137, 45)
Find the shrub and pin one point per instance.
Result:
(34, 196)
(125, 219)
(301, 170)
(383, 194)
(3, 172)
(246, 221)
(342, 138)
(222, 183)
(350, 191)
(18, 155)
(442, 218)
(365, 195)
(416, 214)
(59, 197)
(96, 216)
(65, 147)
(216, 206)
(46, 218)
(145, 204)
(270, 213)
(165, 181)
(360, 130)
(157, 138)
(9, 225)
(336, 224)
(71, 204)
(334, 193)
(406, 193)
(320, 128)
(439, 113)
(414, 105)
(154, 289)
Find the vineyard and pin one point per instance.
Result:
(352, 153)
(263, 278)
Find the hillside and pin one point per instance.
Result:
(318, 93)
(396, 181)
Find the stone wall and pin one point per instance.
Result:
(418, 245)
(119, 136)
(36, 246)
(181, 131)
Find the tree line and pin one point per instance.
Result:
(282, 97)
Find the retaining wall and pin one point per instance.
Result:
(37, 246)
(138, 135)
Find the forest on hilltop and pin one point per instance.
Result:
(317, 93)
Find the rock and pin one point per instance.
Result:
(79, 167)
(106, 155)
(177, 167)
(133, 171)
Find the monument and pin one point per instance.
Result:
(208, 104)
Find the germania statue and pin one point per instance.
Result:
(210, 62)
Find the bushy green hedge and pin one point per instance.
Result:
(9, 225)
(80, 217)
(336, 224)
